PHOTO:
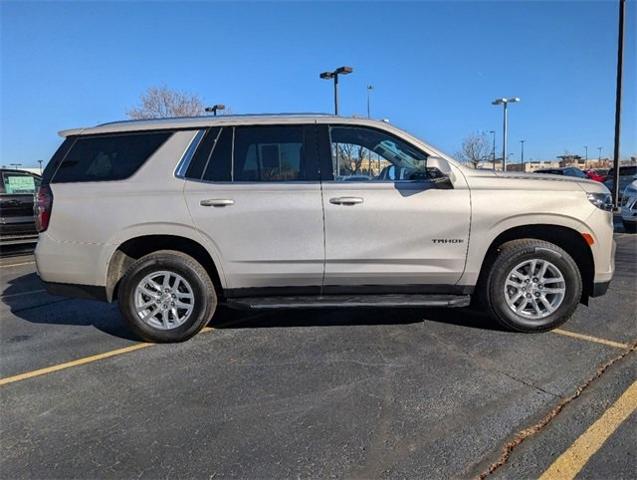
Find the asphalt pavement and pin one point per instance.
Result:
(370, 393)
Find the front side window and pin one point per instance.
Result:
(365, 154)
(108, 157)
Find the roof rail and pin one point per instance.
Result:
(219, 117)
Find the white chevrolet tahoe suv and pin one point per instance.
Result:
(174, 217)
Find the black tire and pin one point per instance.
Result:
(204, 295)
(630, 227)
(514, 253)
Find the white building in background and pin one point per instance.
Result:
(35, 170)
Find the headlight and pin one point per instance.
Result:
(602, 201)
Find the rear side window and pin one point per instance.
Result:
(271, 154)
(107, 157)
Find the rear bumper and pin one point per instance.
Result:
(89, 292)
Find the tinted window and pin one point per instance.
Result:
(218, 168)
(58, 156)
(108, 157)
(271, 154)
(574, 172)
(365, 154)
(201, 156)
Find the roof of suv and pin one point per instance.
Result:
(205, 121)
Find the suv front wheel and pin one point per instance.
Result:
(533, 286)
(167, 296)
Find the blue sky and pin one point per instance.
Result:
(435, 66)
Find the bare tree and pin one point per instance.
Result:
(475, 148)
(161, 102)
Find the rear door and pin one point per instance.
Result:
(254, 193)
(388, 227)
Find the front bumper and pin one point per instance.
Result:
(600, 288)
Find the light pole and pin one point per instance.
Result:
(334, 75)
(40, 162)
(492, 132)
(504, 102)
(15, 165)
(522, 152)
(369, 91)
(599, 158)
(586, 152)
(214, 108)
(618, 100)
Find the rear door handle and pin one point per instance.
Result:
(346, 200)
(217, 202)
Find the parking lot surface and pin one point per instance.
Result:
(373, 393)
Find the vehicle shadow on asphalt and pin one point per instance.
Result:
(227, 318)
(27, 301)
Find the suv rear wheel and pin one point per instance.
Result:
(167, 296)
(532, 286)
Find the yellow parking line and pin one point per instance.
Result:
(589, 338)
(575, 457)
(16, 264)
(79, 361)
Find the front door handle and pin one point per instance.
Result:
(346, 200)
(217, 202)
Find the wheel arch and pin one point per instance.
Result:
(569, 239)
(136, 247)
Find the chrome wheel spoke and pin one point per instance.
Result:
(553, 290)
(164, 300)
(526, 292)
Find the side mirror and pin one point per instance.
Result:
(440, 172)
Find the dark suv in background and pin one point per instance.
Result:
(17, 189)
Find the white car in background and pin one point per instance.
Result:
(629, 207)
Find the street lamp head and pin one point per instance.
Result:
(370, 87)
(499, 101)
(513, 99)
(327, 75)
(344, 70)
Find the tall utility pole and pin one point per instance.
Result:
(599, 158)
(522, 152)
(369, 91)
(492, 132)
(586, 152)
(504, 102)
(40, 162)
(334, 75)
(214, 108)
(618, 101)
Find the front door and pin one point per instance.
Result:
(388, 227)
(254, 193)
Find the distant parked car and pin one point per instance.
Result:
(595, 175)
(17, 188)
(626, 175)
(629, 207)
(567, 171)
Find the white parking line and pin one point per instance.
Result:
(22, 293)
(16, 264)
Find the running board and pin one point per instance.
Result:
(340, 301)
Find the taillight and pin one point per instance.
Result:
(43, 206)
